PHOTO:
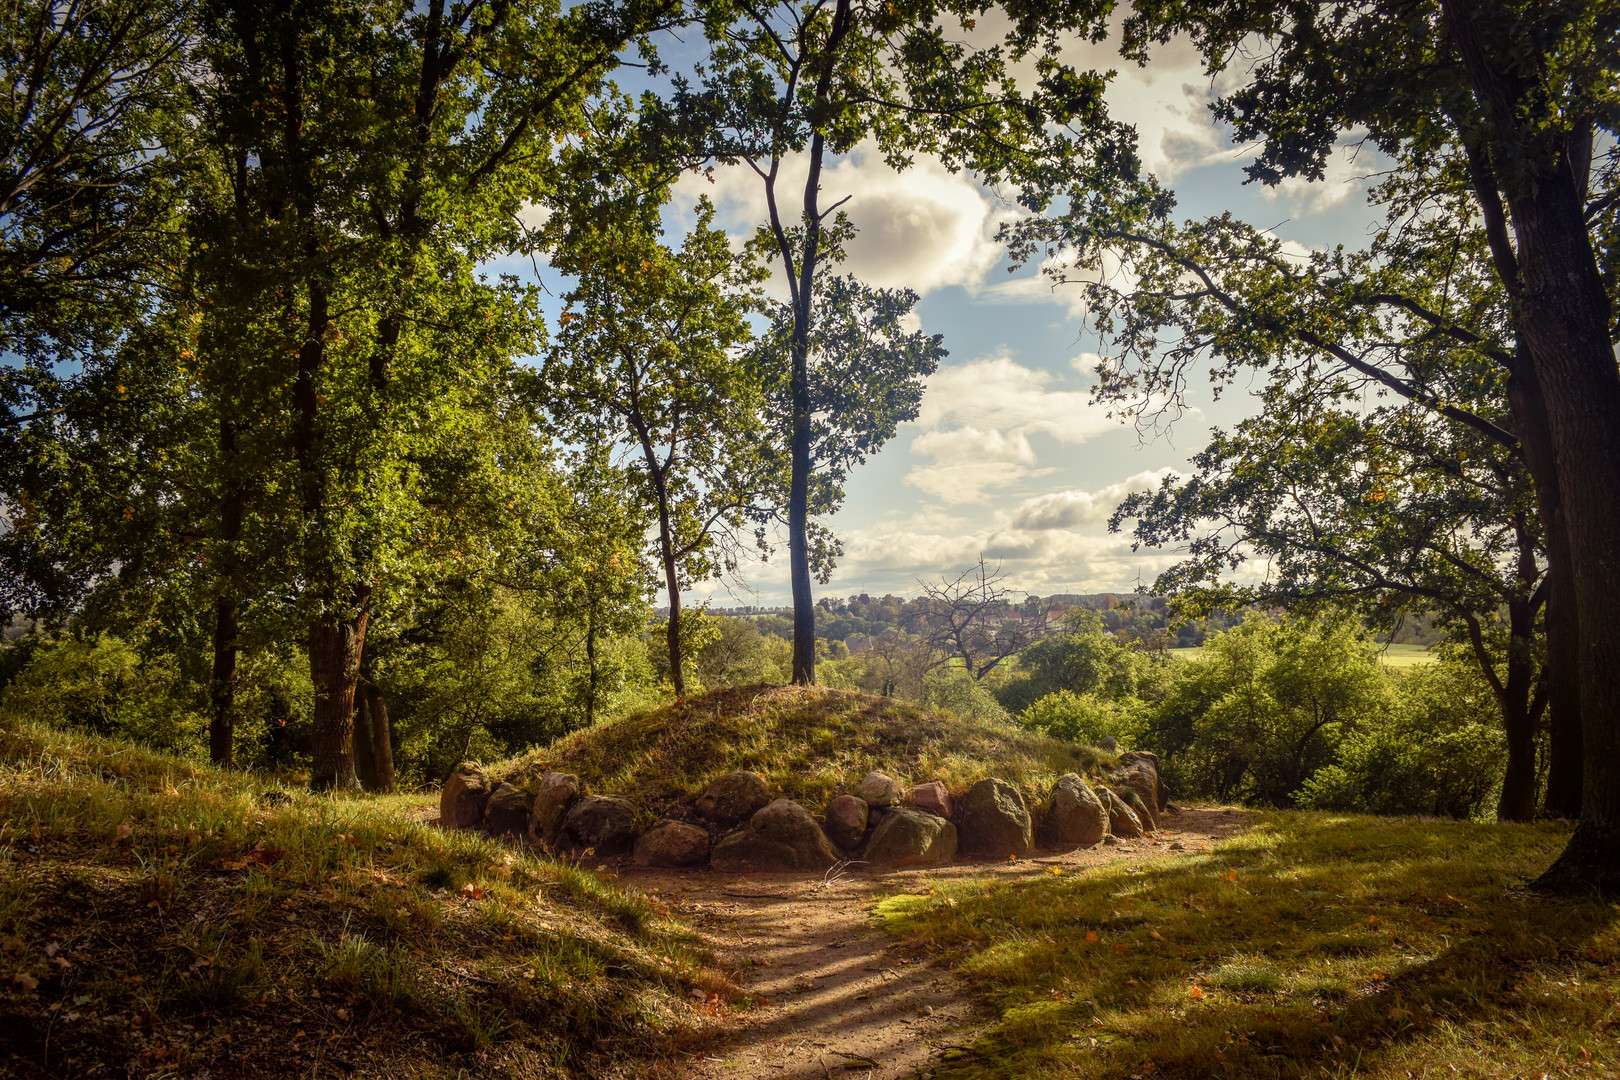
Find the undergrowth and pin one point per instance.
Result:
(1311, 945)
(809, 743)
(161, 917)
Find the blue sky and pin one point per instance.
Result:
(1009, 457)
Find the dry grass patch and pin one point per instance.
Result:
(1311, 945)
(809, 743)
(161, 917)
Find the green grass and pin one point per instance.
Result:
(1311, 945)
(1400, 656)
(169, 918)
(809, 743)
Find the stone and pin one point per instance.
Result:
(995, 821)
(733, 797)
(780, 838)
(910, 837)
(1108, 743)
(554, 796)
(931, 798)
(603, 823)
(1139, 808)
(463, 798)
(1139, 770)
(672, 843)
(1122, 820)
(878, 789)
(1075, 817)
(507, 812)
(846, 821)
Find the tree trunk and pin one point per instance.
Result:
(334, 668)
(222, 686)
(1562, 675)
(1517, 801)
(1562, 313)
(365, 760)
(382, 738)
(227, 610)
(591, 674)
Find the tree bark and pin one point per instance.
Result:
(227, 613)
(1563, 795)
(1563, 315)
(382, 737)
(334, 668)
(365, 761)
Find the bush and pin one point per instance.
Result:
(1082, 718)
(953, 690)
(1441, 753)
(1084, 659)
(1267, 706)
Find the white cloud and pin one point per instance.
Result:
(924, 229)
(1342, 178)
(977, 420)
(1076, 509)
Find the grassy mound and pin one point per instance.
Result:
(1312, 945)
(809, 743)
(160, 916)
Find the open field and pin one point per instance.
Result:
(1400, 656)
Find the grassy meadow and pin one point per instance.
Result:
(165, 917)
(1311, 945)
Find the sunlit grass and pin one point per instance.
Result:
(809, 743)
(1311, 945)
(158, 911)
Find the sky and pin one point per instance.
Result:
(1009, 458)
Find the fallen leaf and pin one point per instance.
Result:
(26, 981)
(125, 830)
(1231, 875)
(11, 943)
(1155, 935)
(1195, 991)
(52, 949)
(1373, 920)
(1091, 937)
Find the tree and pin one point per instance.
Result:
(94, 112)
(1516, 92)
(1381, 510)
(812, 78)
(653, 352)
(380, 154)
(971, 618)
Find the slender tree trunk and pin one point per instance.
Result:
(1563, 315)
(659, 471)
(804, 601)
(1517, 801)
(334, 667)
(365, 761)
(590, 665)
(227, 612)
(382, 737)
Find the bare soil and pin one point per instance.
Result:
(831, 994)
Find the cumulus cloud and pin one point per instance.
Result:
(978, 418)
(1079, 509)
(924, 229)
(1342, 178)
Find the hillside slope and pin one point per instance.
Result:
(809, 743)
(159, 916)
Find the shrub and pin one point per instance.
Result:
(953, 690)
(1441, 752)
(1082, 718)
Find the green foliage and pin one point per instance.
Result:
(951, 689)
(1267, 705)
(1082, 659)
(1440, 753)
(1084, 717)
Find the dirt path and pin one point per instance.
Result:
(834, 996)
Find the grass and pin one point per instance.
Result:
(809, 743)
(1310, 945)
(160, 917)
(1398, 656)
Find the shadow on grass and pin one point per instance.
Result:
(1309, 945)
